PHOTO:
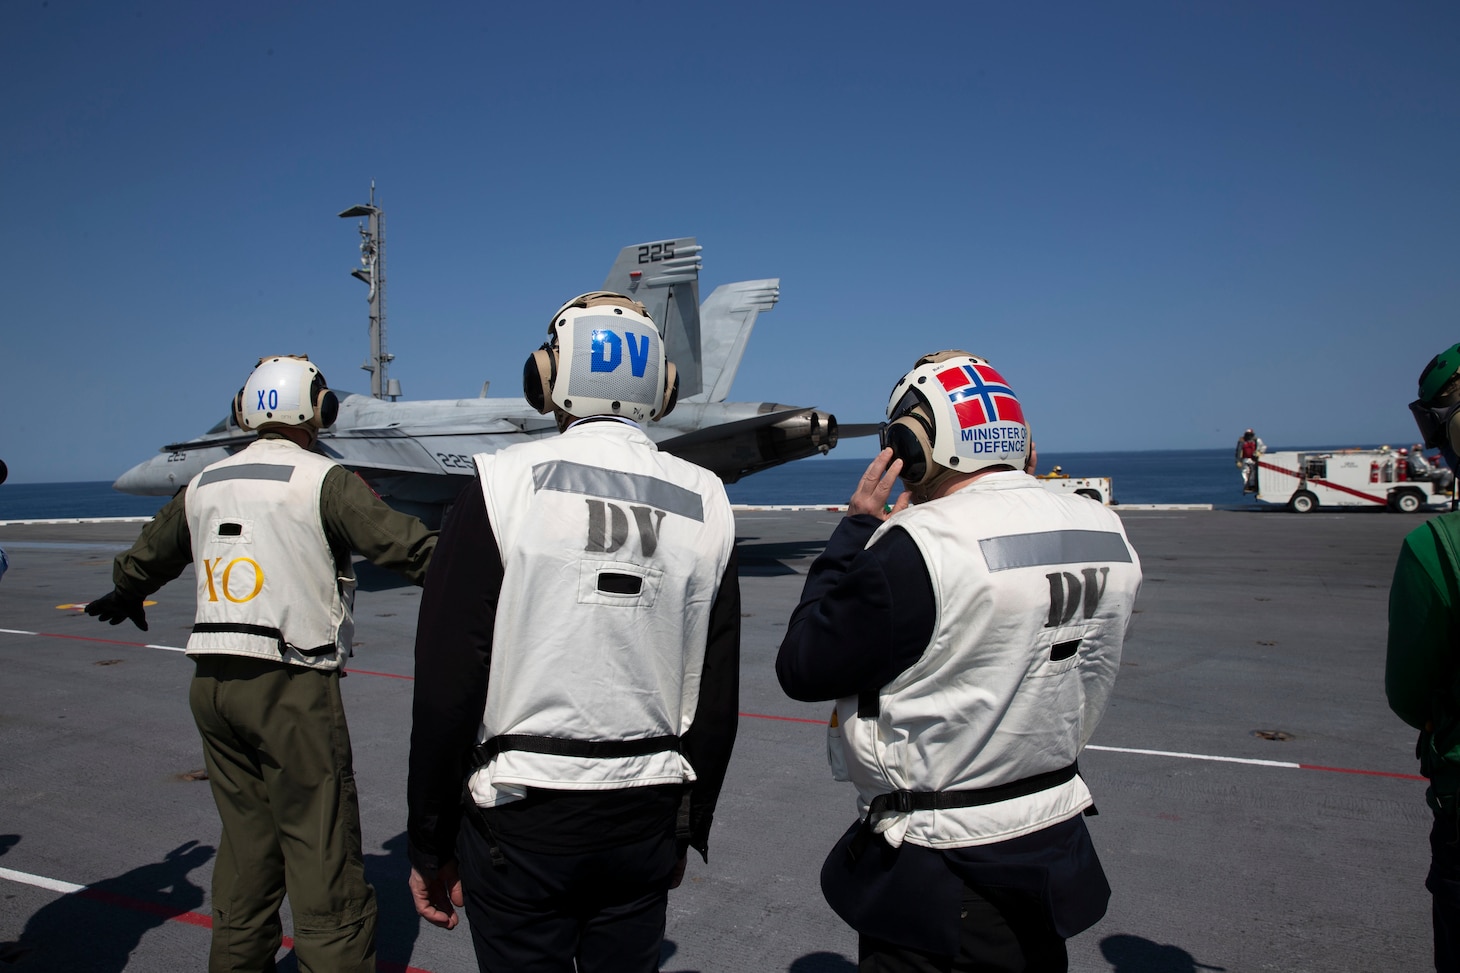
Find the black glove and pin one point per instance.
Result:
(115, 606)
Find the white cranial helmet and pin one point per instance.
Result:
(953, 412)
(285, 390)
(603, 356)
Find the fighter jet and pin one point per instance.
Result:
(417, 454)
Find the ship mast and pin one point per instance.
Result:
(372, 272)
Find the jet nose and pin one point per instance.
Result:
(149, 479)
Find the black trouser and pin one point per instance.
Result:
(539, 912)
(1000, 930)
(1444, 884)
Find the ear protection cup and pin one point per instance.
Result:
(326, 403)
(1452, 432)
(327, 409)
(911, 438)
(539, 373)
(238, 410)
(671, 389)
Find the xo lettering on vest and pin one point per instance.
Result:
(223, 580)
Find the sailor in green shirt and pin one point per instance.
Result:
(1422, 667)
(269, 531)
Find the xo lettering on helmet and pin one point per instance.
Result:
(608, 351)
(221, 578)
(268, 399)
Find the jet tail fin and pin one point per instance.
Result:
(726, 320)
(665, 277)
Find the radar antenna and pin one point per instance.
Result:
(372, 272)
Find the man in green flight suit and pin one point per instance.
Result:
(270, 530)
(1422, 670)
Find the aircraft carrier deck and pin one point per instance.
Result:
(1258, 804)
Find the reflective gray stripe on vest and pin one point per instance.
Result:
(1053, 547)
(247, 471)
(593, 481)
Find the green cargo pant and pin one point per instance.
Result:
(278, 755)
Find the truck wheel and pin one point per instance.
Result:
(1091, 494)
(1407, 502)
(1303, 502)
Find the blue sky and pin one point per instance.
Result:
(1163, 222)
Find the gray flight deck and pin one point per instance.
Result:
(1259, 636)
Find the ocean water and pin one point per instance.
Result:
(1157, 476)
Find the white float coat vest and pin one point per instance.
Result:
(1034, 592)
(612, 556)
(268, 586)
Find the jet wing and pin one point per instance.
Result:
(732, 450)
(239, 439)
(434, 448)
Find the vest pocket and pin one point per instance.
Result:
(230, 530)
(617, 583)
(1059, 650)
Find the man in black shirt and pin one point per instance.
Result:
(577, 666)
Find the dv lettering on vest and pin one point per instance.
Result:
(1068, 593)
(608, 527)
(221, 579)
(608, 351)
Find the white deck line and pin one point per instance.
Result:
(1200, 756)
(78, 520)
(40, 881)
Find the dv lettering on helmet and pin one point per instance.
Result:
(608, 351)
(221, 579)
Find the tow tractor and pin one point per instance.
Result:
(1343, 478)
(1095, 488)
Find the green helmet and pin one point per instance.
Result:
(1438, 372)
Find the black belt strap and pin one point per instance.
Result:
(905, 800)
(483, 753)
(262, 631)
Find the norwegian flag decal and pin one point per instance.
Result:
(980, 395)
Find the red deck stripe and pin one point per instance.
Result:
(1369, 773)
(85, 638)
(175, 914)
(786, 719)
